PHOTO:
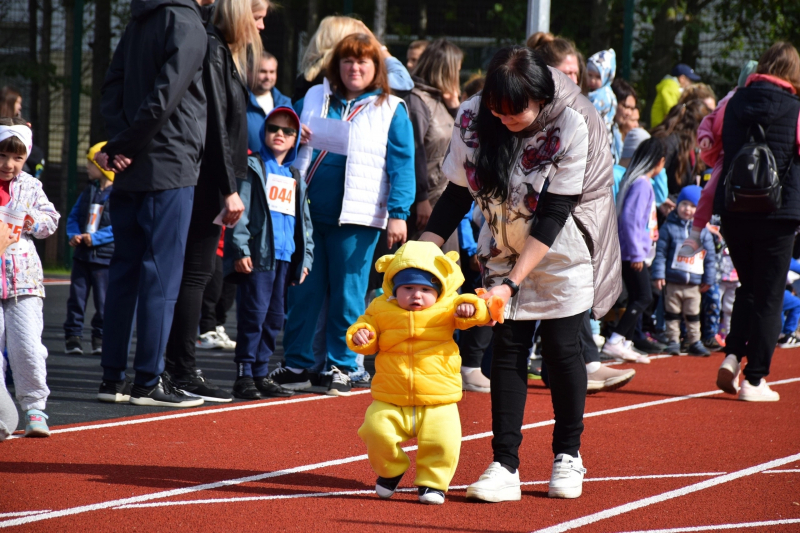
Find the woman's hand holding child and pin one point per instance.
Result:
(363, 336)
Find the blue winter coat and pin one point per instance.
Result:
(103, 239)
(670, 237)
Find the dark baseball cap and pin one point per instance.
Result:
(686, 70)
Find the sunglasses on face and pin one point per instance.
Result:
(274, 128)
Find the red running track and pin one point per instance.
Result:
(666, 453)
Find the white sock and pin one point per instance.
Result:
(593, 367)
(469, 369)
(295, 370)
(616, 338)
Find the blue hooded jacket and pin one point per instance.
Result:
(261, 234)
(670, 237)
(256, 117)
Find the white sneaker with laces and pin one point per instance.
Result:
(208, 341)
(607, 379)
(728, 374)
(566, 480)
(472, 379)
(225, 342)
(496, 484)
(623, 350)
(762, 393)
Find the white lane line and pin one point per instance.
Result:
(791, 471)
(204, 412)
(658, 498)
(719, 527)
(218, 484)
(456, 488)
(23, 513)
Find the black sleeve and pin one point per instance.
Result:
(449, 210)
(218, 85)
(551, 215)
(420, 119)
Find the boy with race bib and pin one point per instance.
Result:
(270, 246)
(683, 279)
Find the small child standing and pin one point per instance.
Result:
(90, 234)
(21, 319)
(601, 68)
(683, 278)
(269, 246)
(417, 378)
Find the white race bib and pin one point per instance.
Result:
(280, 194)
(15, 221)
(95, 213)
(692, 265)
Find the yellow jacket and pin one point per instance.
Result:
(668, 92)
(418, 362)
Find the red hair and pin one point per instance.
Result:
(359, 45)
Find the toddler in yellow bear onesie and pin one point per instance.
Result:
(417, 378)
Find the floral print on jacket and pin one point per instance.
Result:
(22, 272)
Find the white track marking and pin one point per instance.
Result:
(721, 526)
(658, 498)
(792, 471)
(23, 513)
(336, 462)
(456, 488)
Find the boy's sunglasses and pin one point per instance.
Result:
(274, 128)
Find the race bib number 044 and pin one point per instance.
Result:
(280, 194)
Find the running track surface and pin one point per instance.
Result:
(666, 453)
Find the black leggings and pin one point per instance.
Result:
(562, 352)
(640, 296)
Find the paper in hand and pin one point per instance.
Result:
(330, 134)
(218, 220)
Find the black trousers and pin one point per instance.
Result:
(640, 296)
(590, 352)
(563, 354)
(198, 266)
(217, 300)
(760, 250)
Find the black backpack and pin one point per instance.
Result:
(752, 184)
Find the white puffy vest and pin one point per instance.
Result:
(366, 183)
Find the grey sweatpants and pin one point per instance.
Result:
(8, 411)
(21, 326)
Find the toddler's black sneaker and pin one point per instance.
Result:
(244, 388)
(386, 486)
(430, 496)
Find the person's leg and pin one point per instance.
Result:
(211, 296)
(691, 310)
(561, 351)
(472, 344)
(273, 319)
(9, 418)
(198, 267)
(773, 245)
(164, 220)
(225, 302)
(439, 445)
(252, 305)
(385, 428)
(79, 287)
(348, 278)
(99, 289)
(728, 297)
(672, 311)
(509, 382)
(304, 304)
(26, 353)
(791, 312)
(590, 352)
(743, 255)
(710, 312)
(319, 347)
(124, 275)
(639, 297)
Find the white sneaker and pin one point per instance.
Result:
(762, 393)
(208, 341)
(225, 342)
(496, 484)
(624, 350)
(608, 379)
(599, 340)
(472, 379)
(566, 480)
(728, 374)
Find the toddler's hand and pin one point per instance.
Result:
(86, 239)
(362, 337)
(465, 310)
(75, 241)
(705, 143)
(704, 287)
(658, 284)
(243, 265)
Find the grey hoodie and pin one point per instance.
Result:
(153, 99)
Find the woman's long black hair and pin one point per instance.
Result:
(515, 76)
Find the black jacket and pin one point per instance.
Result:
(225, 156)
(777, 111)
(153, 100)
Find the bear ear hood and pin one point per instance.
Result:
(425, 256)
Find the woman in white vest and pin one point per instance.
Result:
(534, 155)
(363, 183)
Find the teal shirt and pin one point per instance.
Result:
(326, 190)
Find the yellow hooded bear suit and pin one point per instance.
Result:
(417, 378)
